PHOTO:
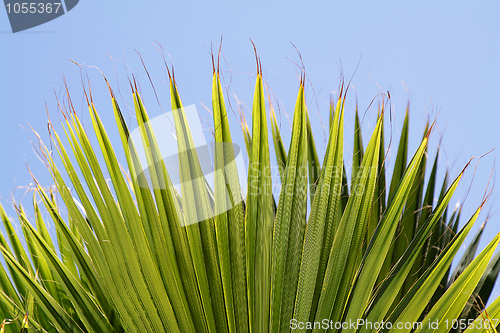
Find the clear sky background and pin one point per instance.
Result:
(442, 57)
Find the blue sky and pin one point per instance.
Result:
(443, 58)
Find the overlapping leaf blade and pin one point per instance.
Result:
(290, 224)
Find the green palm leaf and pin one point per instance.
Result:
(132, 252)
